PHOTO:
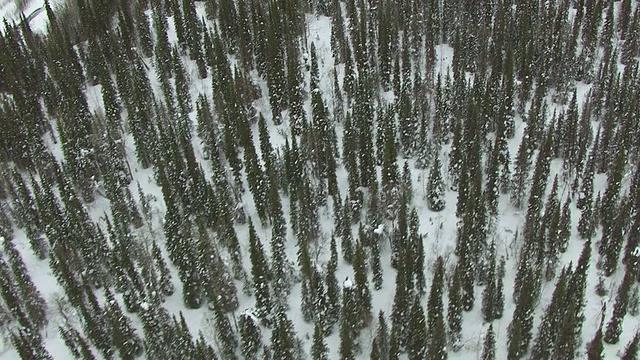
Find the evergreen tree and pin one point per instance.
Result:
(32, 299)
(166, 285)
(225, 334)
(614, 326)
(145, 40)
(275, 66)
(347, 346)
(550, 324)
(631, 350)
(394, 346)
(417, 346)
(250, 336)
(437, 334)
(489, 294)
(376, 266)
(125, 339)
(521, 173)
(283, 338)
(571, 325)
(11, 297)
(489, 347)
(363, 294)
(28, 344)
(519, 330)
(595, 347)
(319, 350)
(435, 187)
(333, 288)
(454, 309)
(380, 344)
(261, 275)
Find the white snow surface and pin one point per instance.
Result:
(439, 230)
(12, 10)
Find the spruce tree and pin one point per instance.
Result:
(489, 293)
(381, 339)
(250, 337)
(319, 350)
(595, 347)
(570, 327)
(519, 330)
(401, 307)
(363, 294)
(417, 346)
(631, 350)
(32, 299)
(333, 288)
(347, 345)
(166, 285)
(260, 273)
(28, 344)
(125, 339)
(225, 334)
(283, 338)
(454, 309)
(394, 346)
(376, 266)
(550, 324)
(489, 347)
(437, 334)
(614, 326)
(435, 187)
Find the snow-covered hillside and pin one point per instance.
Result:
(178, 158)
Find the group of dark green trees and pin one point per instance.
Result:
(329, 167)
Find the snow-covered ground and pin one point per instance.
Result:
(439, 230)
(13, 10)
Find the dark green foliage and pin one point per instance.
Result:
(437, 334)
(143, 30)
(614, 326)
(32, 299)
(225, 334)
(489, 347)
(260, 274)
(166, 285)
(417, 346)
(28, 344)
(10, 295)
(347, 341)
(319, 349)
(283, 338)
(363, 294)
(125, 339)
(595, 347)
(380, 345)
(521, 326)
(454, 309)
(376, 266)
(394, 346)
(76, 344)
(490, 294)
(275, 67)
(333, 288)
(435, 187)
(250, 336)
(548, 329)
(612, 238)
(631, 350)
(396, 103)
(570, 330)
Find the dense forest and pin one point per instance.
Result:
(321, 179)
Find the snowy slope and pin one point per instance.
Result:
(439, 230)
